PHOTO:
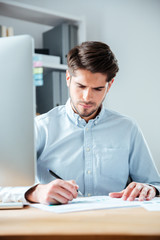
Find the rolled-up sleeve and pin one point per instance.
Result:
(13, 194)
(142, 166)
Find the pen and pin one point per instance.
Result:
(56, 176)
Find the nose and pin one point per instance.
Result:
(87, 94)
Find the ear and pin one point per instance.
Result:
(67, 78)
(110, 84)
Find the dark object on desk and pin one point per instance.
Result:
(42, 51)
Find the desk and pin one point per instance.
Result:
(120, 224)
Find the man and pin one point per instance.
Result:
(92, 148)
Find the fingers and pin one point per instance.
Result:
(63, 191)
(151, 193)
(74, 183)
(134, 190)
(116, 194)
(56, 199)
(57, 191)
(67, 187)
(143, 194)
(141, 190)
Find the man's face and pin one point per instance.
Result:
(87, 92)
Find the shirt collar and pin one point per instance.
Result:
(80, 121)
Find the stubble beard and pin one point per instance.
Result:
(85, 112)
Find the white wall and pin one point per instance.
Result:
(24, 27)
(132, 29)
(134, 34)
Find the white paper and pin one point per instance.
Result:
(88, 203)
(153, 205)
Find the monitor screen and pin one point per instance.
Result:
(17, 111)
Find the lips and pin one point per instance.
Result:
(86, 105)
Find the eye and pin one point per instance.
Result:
(98, 89)
(82, 87)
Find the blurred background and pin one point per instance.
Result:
(132, 29)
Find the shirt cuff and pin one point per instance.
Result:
(13, 194)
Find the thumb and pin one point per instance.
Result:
(116, 194)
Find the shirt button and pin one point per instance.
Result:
(88, 171)
(89, 194)
(95, 122)
(88, 149)
(87, 129)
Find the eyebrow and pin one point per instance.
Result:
(93, 88)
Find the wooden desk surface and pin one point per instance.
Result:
(123, 223)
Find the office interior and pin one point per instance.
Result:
(131, 29)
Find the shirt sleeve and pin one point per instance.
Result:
(13, 194)
(40, 136)
(142, 167)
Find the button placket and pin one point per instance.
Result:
(88, 161)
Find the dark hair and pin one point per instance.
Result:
(94, 57)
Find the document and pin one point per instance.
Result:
(153, 205)
(88, 203)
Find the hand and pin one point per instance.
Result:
(57, 191)
(133, 190)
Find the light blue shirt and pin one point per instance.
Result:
(99, 155)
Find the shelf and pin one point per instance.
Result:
(42, 16)
(35, 14)
(55, 66)
(49, 61)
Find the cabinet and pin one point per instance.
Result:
(42, 16)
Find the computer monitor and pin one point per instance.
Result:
(17, 111)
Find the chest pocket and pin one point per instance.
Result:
(112, 162)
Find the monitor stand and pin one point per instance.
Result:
(11, 205)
